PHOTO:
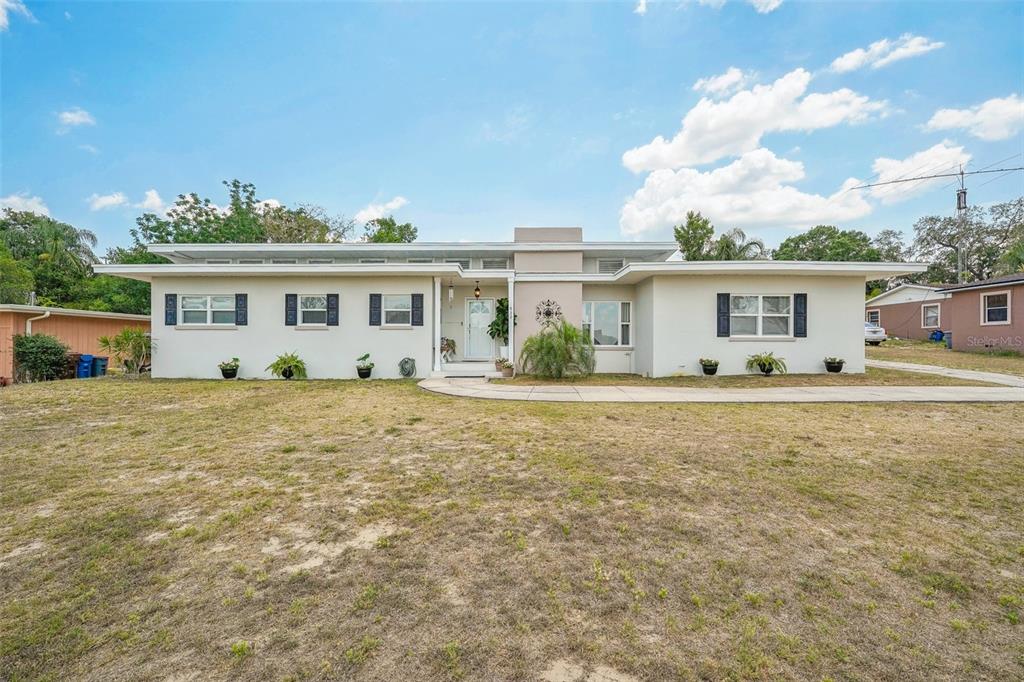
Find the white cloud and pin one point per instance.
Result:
(67, 15)
(754, 190)
(89, 148)
(713, 130)
(765, 6)
(641, 7)
(23, 202)
(716, 4)
(733, 79)
(995, 119)
(152, 202)
(72, 118)
(884, 52)
(8, 7)
(941, 158)
(101, 202)
(374, 211)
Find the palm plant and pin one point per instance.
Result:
(130, 347)
(734, 245)
(557, 350)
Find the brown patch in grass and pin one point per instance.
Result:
(494, 539)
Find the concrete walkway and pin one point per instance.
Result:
(990, 377)
(481, 388)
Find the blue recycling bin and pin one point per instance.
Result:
(99, 366)
(84, 369)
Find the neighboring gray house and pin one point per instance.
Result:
(649, 315)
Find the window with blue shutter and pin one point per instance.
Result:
(291, 309)
(800, 315)
(170, 309)
(723, 314)
(332, 310)
(375, 307)
(417, 310)
(241, 310)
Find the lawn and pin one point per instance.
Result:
(929, 353)
(336, 530)
(872, 377)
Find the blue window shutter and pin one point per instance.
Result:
(375, 310)
(332, 310)
(417, 310)
(291, 309)
(241, 309)
(170, 309)
(723, 314)
(800, 315)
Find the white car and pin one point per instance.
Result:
(873, 334)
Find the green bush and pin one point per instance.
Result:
(39, 357)
(130, 347)
(557, 350)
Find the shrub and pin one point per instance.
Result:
(288, 361)
(39, 357)
(766, 363)
(131, 347)
(557, 350)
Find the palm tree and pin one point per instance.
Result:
(734, 245)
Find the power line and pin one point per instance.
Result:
(940, 175)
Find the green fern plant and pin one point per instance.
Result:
(288, 363)
(559, 349)
(765, 363)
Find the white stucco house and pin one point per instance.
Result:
(648, 315)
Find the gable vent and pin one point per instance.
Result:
(609, 266)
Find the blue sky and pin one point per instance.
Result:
(471, 118)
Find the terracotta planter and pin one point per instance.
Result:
(506, 371)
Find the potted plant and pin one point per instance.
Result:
(834, 365)
(229, 368)
(363, 366)
(288, 366)
(766, 363)
(709, 366)
(447, 349)
(498, 329)
(506, 366)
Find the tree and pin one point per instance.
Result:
(16, 281)
(734, 245)
(694, 237)
(387, 231)
(984, 237)
(58, 255)
(828, 243)
(307, 224)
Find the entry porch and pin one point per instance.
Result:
(465, 306)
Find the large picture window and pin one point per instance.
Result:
(995, 308)
(214, 309)
(761, 315)
(608, 323)
(313, 309)
(397, 309)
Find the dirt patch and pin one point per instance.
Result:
(566, 671)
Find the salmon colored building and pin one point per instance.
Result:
(988, 314)
(910, 311)
(79, 329)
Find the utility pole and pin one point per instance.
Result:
(961, 217)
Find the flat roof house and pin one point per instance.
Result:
(987, 314)
(910, 311)
(646, 314)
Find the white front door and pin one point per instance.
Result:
(479, 314)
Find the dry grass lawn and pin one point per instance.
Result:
(929, 353)
(340, 530)
(872, 377)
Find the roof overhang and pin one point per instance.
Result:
(901, 287)
(448, 271)
(69, 312)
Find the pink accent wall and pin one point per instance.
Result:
(903, 320)
(968, 332)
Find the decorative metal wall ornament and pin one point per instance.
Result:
(548, 312)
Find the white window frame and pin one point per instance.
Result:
(878, 314)
(484, 263)
(209, 310)
(419, 260)
(984, 307)
(373, 261)
(760, 315)
(464, 263)
(938, 315)
(284, 261)
(301, 321)
(588, 327)
(621, 262)
(384, 311)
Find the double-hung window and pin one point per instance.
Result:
(761, 315)
(995, 308)
(313, 309)
(215, 309)
(396, 309)
(608, 323)
(874, 317)
(930, 315)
